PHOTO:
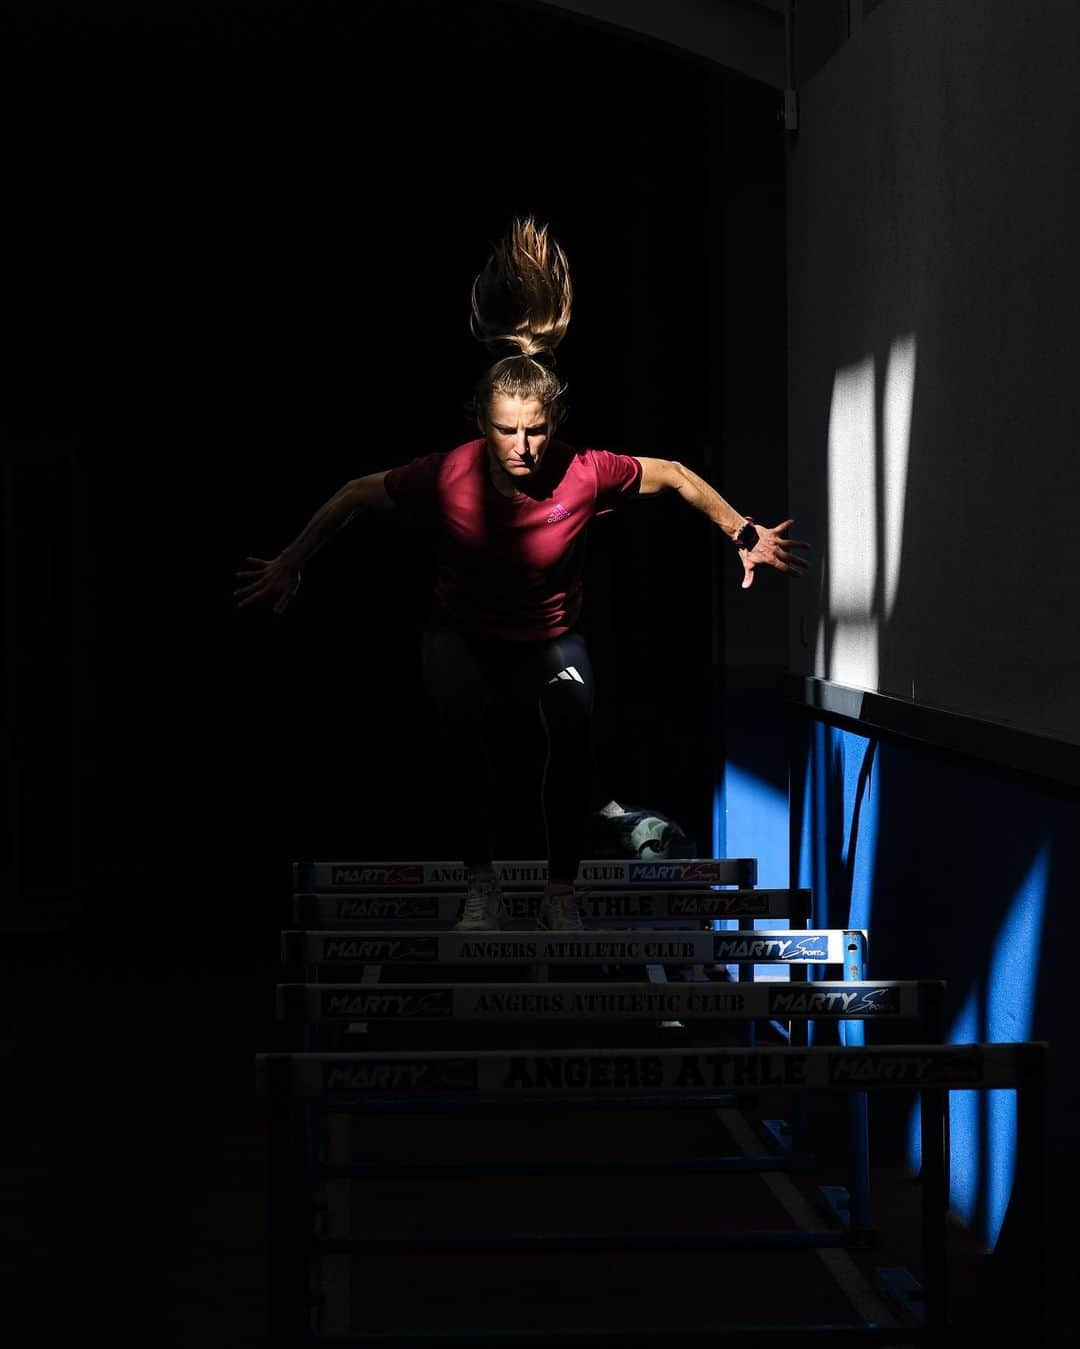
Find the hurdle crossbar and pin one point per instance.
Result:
(414, 908)
(826, 946)
(595, 872)
(330, 1004)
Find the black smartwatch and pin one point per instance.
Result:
(747, 537)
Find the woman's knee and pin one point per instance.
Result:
(567, 712)
(453, 679)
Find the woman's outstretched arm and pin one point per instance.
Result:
(278, 578)
(768, 546)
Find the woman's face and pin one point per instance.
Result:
(516, 428)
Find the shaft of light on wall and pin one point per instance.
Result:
(896, 433)
(866, 499)
(851, 651)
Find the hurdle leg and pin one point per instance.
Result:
(335, 1284)
(1031, 1196)
(658, 975)
(372, 975)
(309, 973)
(935, 1205)
(854, 1033)
(288, 1178)
(801, 1140)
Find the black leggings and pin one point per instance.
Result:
(461, 672)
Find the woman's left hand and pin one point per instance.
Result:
(773, 550)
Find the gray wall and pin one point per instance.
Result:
(933, 273)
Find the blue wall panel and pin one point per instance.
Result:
(964, 873)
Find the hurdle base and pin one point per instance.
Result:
(903, 1292)
(544, 1243)
(836, 1202)
(821, 1335)
(780, 1131)
(780, 1137)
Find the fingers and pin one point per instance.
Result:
(254, 590)
(260, 569)
(790, 543)
(259, 584)
(774, 553)
(782, 557)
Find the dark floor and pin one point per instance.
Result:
(132, 1174)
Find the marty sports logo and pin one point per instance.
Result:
(559, 513)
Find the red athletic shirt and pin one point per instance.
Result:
(511, 567)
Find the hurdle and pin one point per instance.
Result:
(424, 897)
(437, 909)
(421, 896)
(385, 876)
(311, 952)
(826, 946)
(443, 1008)
(611, 891)
(441, 1082)
(676, 897)
(442, 1004)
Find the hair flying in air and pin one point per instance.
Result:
(522, 299)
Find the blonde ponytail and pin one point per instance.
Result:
(522, 299)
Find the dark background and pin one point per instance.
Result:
(239, 245)
(240, 241)
(239, 276)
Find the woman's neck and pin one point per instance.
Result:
(503, 483)
(503, 488)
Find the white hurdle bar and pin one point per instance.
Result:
(531, 874)
(871, 1000)
(827, 946)
(642, 905)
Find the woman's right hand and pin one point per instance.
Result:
(273, 579)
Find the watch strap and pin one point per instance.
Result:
(747, 536)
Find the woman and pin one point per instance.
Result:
(510, 510)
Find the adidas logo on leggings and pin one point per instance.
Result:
(568, 673)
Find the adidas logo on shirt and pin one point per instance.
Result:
(559, 513)
(568, 673)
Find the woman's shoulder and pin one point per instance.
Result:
(468, 449)
(592, 452)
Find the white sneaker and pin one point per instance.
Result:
(559, 911)
(485, 909)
